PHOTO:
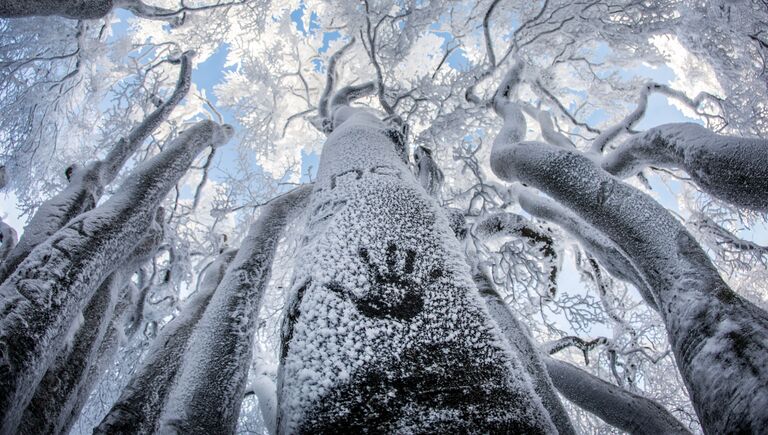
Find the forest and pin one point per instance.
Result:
(383, 216)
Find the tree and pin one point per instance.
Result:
(503, 234)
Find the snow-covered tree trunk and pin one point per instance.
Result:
(86, 184)
(8, 238)
(386, 329)
(515, 332)
(734, 169)
(138, 409)
(83, 9)
(718, 338)
(614, 405)
(42, 298)
(65, 384)
(216, 362)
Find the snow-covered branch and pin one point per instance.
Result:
(733, 169)
(86, 184)
(616, 406)
(216, 361)
(711, 329)
(42, 297)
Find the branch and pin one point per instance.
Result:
(323, 108)
(616, 406)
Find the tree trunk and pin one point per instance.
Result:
(41, 299)
(516, 334)
(75, 9)
(138, 409)
(718, 338)
(87, 184)
(614, 405)
(386, 329)
(66, 385)
(216, 362)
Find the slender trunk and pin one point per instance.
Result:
(8, 238)
(386, 329)
(87, 184)
(614, 405)
(517, 335)
(41, 299)
(138, 409)
(718, 338)
(216, 363)
(734, 169)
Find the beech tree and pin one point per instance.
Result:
(485, 216)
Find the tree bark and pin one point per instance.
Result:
(718, 338)
(87, 184)
(138, 409)
(733, 169)
(66, 385)
(74, 9)
(41, 299)
(616, 406)
(216, 362)
(386, 329)
(517, 335)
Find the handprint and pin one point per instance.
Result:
(394, 293)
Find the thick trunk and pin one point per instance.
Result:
(75, 9)
(42, 298)
(719, 339)
(734, 169)
(55, 396)
(516, 334)
(386, 329)
(138, 409)
(614, 405)
(87, 184)
(66, 385)
(216, 363)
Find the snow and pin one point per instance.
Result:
(382, 300)
(719, 366)
(734, 169)
(216, 362)
(54, 283)
(139, 406)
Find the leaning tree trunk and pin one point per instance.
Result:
(516, 334)
(87, 184)
(83, 9)
(616, 406)
(66, 382)
(216, 362)
(386, 329)
(718, 338)
(41, 299)
(138, 409)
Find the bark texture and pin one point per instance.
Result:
(734, 169)
(386, 329)
(41, 299)
(138, 409)
(718, 338)
(614, 405)
(216, 362)
(75, 9)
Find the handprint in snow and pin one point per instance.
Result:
(394, 293)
